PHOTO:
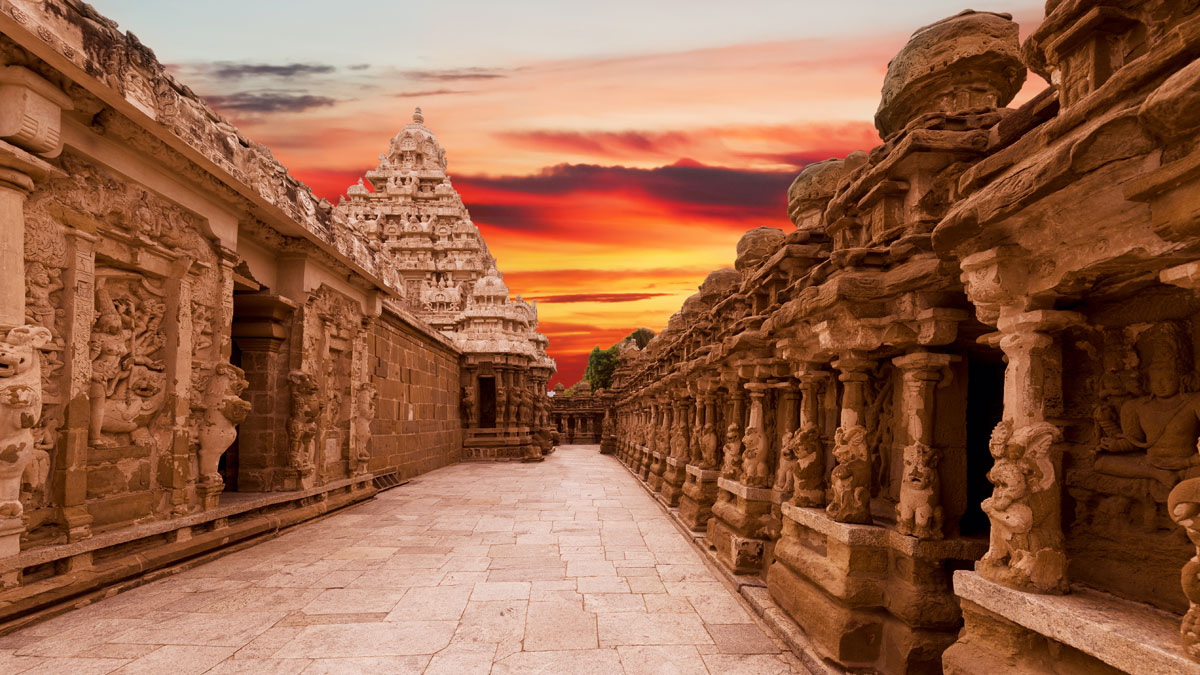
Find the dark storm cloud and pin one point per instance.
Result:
(685, 188)
(430, 92)
(454, 74)
(228, 70)
(269, 102)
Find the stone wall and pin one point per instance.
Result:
(202, 351)
(417, 427)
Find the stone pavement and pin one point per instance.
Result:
(562, 567)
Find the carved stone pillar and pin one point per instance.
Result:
(675, 470)
(662, 444)
(920, 508)
(786, 421)
(756, 446)
(1026, 548)
(700, 484)
(731, 462)
(30, 123)
(808, 468)
(648, 448)
(851, 478)
(79, 281)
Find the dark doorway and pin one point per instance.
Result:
(487, 402)
(985, 408)
(228, 464)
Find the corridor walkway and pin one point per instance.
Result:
(562, 567)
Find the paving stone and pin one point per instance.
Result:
(651, 629)
(660, 660)
(432, 603)
(553, 626)
(545, 574)
(741, 638)
(389, 638)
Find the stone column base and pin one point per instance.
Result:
(699, 495)
(657, 466)
(209, 495)
(644, 462)
(740, 529)
(11, 530)
(671, 487)
(868, 597)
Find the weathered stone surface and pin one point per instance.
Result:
(984, 326)
(967, 61)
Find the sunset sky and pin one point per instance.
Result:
(612, 153)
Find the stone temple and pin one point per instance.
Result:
(947, 420)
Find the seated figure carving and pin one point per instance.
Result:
(1158, 432)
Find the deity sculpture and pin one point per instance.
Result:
(708, 447)
(365, 405)
(127, 386)
(679, 439)
(525, 407)
(223, 409)
(20, 409)
(808, 469)
(756, 468)
(1026, 543)
(850, 481)
(662, 441)
(41, 282)
(920, 510)
(110, 344)
(732, 465)
(302, 424)
(785, 479)
(468, 406)
(1158, 432)
(695, 444)
(501, 406)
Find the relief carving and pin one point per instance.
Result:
(20, 409)
(808, 467)
(679, 438)
(850, 481)
(731, 467)
(1154, 435)
(708, 447)
(920, 510)
(1026, 543)
(223, 409)
(302, 424)
(756, 469)
(365, 405)
(128, 376)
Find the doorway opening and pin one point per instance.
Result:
(985, 409)
(487, 402)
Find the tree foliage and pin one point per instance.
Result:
(600, 367)
(641, 337)
(602, 363)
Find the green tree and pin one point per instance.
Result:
(600, 367)
(641, 337)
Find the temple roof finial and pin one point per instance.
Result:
(417, 116)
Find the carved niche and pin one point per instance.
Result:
(334, 355)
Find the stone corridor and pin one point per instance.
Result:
(562, 567)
